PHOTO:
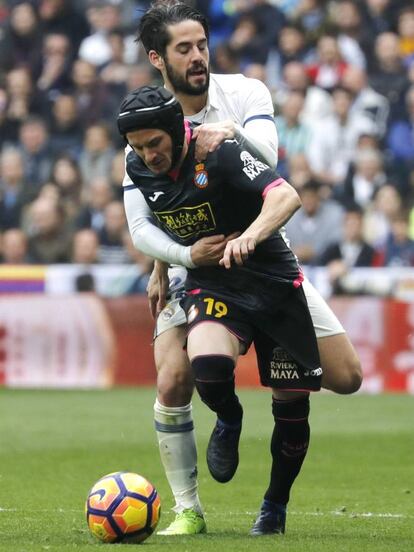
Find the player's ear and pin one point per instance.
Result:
(156, 60)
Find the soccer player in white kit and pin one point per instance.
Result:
(175, 37)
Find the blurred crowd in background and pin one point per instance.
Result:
(341, 74)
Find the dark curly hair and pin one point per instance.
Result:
(153, 26)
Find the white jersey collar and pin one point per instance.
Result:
(212, 97)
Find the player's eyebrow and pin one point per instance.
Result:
(187, 43)
(148, 144)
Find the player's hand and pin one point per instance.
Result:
(157, 288)
(210, 135)
(238, 251)
(208, 251)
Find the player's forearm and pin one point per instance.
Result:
(152, 241)
(147, 237)
(280, 203)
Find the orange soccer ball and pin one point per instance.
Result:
(122, 506)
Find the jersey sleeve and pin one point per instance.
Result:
(243, 171)
(145, 234)
(259, 129)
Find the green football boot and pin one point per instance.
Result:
(187, 522)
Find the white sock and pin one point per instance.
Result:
(176, 440)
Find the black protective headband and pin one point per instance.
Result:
(153, 107)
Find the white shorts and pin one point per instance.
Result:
(324, 320)
(172, 314)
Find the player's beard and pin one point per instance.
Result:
(181, 86)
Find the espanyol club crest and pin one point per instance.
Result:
(201, 176)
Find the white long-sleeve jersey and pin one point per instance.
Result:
(248, 103)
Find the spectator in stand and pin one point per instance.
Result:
(387, 203)
(105, 17)
(60, 16)
(85, 247)
(97, 153)
(256, 71)
(24, 99)
(140, 270)
(50, 191)
(66, 176)
(312, 16)
(315, 226)
(298, 170)
(13, 189)
(53, 73)
(8, 130)
(288, 7)
(388, 75)
(398, 249)
(333, 142)
(225, 60)
(374, 142)
(115, 72)
(97, 196)
(256, 31)
(367, 102)
(318, 102)
(380, 16)
(94, 99)
(327, 70)
(49, 240)
(102, 17)
(14, 247)
(221, 16)
(244, 41)
(65, 127)
(20, 42)
(400, 138)
(293, 135)
(353, 40)
(118, 174)
(363, 180)
(85, 252)
(36, 151)
(139, 75)
(351, 251)
(112, 248)
(405, 28)
(291, 46)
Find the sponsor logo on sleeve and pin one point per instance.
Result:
(252, 167)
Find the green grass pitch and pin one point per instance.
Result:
(355, 491)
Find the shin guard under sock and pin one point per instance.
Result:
(289, 445)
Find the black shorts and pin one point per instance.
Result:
(283, 334)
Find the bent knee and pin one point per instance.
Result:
(354, 378)
(174, 384)
(349, 379)
(341, 366)
(344, 378)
